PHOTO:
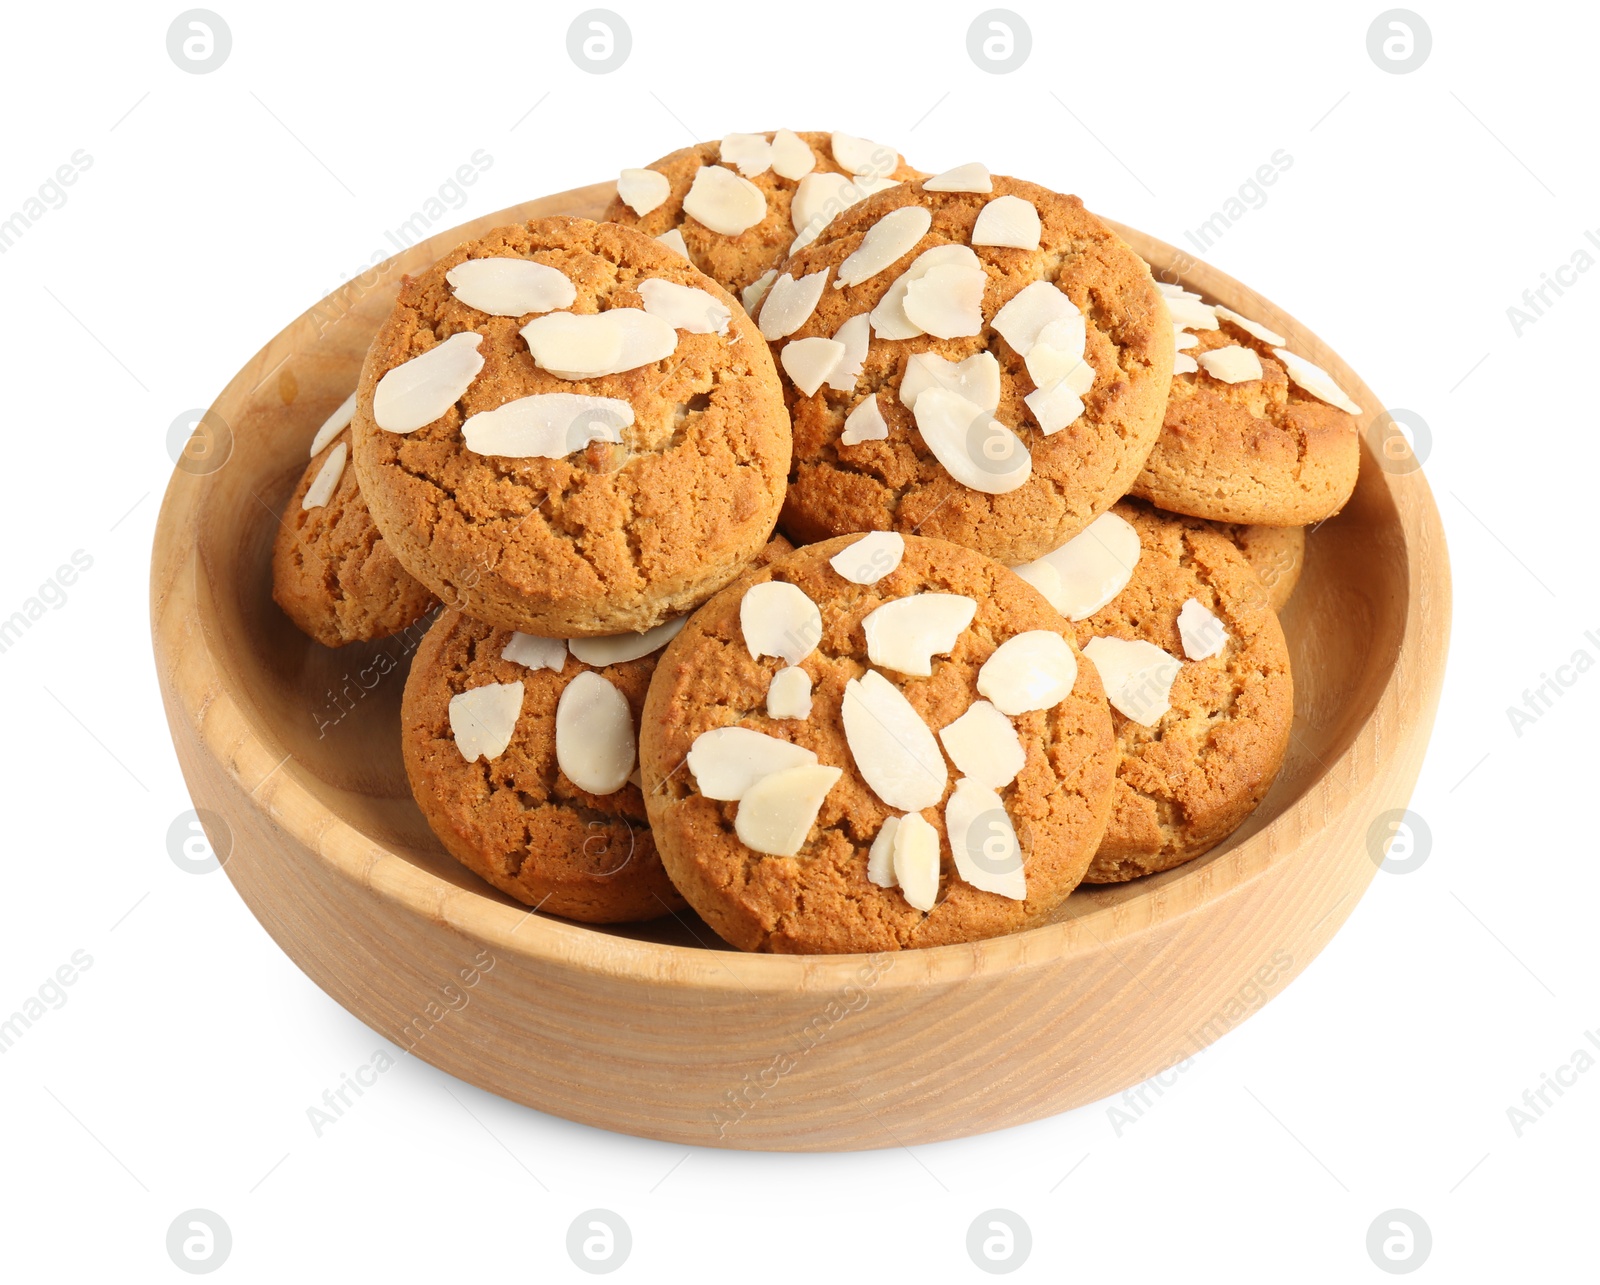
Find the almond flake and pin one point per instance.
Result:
(595, 745)
(777, 619)
(792, 157)
(1175, 291)
(1054, 407)
(752, 295)
(1029, 311)
(673, 240)
(778, 811)
(907, 633)
(1316, 381)
(916, 861)
(546, 425)
(1087, 571)
(333, 425)
(1203, 634)
(976, 449)
(1183, 364)
(722, 201)
(789, 693)
(1137, 676)
(808, 362)
(865, 423)
(818, 198)
(614, 649)
(643, 190)
(1058, 354)
(893, 236)
(983, 841)
(1232, 365)
(893, 749)
(1183, 339)
(574, 345)
(947, 301)
(1034, 670)
(727, 761)
(790, 303)
(321, 488)
(751, 153)
(1009, 221)
(971, 177)
(855, 334)
(510, 287)
(417, 392)
(984, 746)
(889, 320)
(1250, 327)
(685, 307)
(862, 156)
(977, 379)
(535, 653)
(482, 719)
(1189, 313)
(870, 558)
(880, 858)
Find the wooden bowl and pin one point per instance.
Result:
(292, 754)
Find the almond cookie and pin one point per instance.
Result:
(969, 357)
(736, 221)
(1194, 663)
(1275, 553)
(565, 429)
(332, 572)
(1253, 432)
(877, 742)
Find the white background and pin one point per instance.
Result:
(1418, 208)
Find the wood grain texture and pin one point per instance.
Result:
(658, 1030)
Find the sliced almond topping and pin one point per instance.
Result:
(865, 423)
(907, 633)
(613, 649)
(870, 558)
(417, 392)
(971, 177)
(778, 811)
(975, 448)
(1232, 365)
(1203, 634)
(536, 653)
(894, 235)
(482, 719)
(1316, 381)
(752, 295)
(947, 301)
(673, 240)
(984, 745)
(1189, 313)
(546, 425)
(1087, 571)
(1034, 670)
(889, 320)
(724, 202)
(880, 858)
(818, 198)
(789, 693)
(321, 488)
(587, 345)
(1010, 221)
(1054, 407)
(1175, 291)
(777, 619)
(594, 734)
(977, 379)
(751, 153)
(333, 425)
(1183, 364)
(1137, 676)
(862, 155)
(792, 157)
(893, 749)
(727, 761)
(983, 841)
(1058, 354)
(508, 287)
(685, 307)
(790, 303)
(809, 362)
(916, 861)
(855, 334)
(643, 190)
(1030, 310)
(1250, 327)
(1182, 339)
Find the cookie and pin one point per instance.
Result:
(770, 186)
(1197, 672)
(333, 573)
(916, 757)
(511, 814)
(565, 429)
(1012, 432)
(1275, 553)
(1253, 433)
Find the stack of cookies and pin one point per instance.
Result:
(860, 558)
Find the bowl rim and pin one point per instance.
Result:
(195, 677)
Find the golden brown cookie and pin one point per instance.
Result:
(516, 818)
(816, 750)
(1275, 553)
(332, 572)
(1188, 776)
(1243, 441)
(595, 504)
(1032, 416)
(777, 164)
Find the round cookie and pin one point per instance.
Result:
(333, 574)
(613, 536)
(738, 261)
(517, 820)
(1262, 450)
(821, 900)
(863, 460)
(1189, 779)
(1275, 553)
